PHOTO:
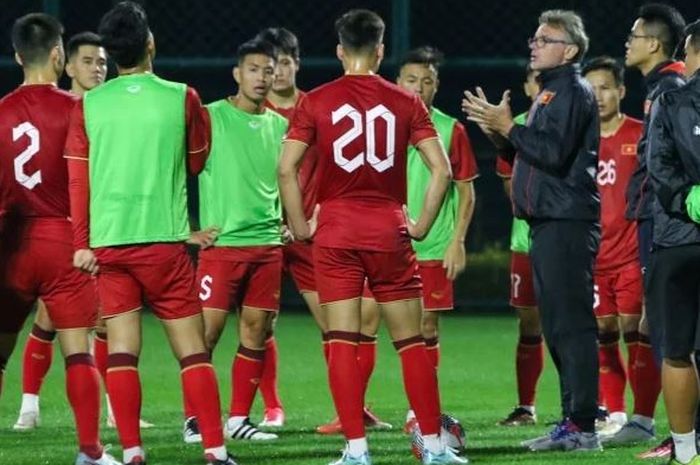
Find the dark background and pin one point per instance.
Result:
(484, 41)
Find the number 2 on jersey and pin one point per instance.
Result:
(26, 128)
(369, 128)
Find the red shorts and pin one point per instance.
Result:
(161, 275)
(341, 274)
(243, 276)
(40, 265)
(299, 263)
(522, 289)
(438, 292)
(618, 292)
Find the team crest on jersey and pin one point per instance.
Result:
(647, 107)
(134, 89)
(546, 97)
(254, 124)
(628, 149)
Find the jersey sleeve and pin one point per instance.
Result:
(198, 132)
(77, 143)
(461, 155)
(504, 168)
(421, 125)
(302, 127)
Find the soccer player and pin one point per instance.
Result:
(127, 170)
(441, 254)
(556, 156)
(283, 98)
(650, 46)
(618, 278)
(244, 268)
(36, 244)
(673, 160)
(361, 126)
(529, 355)
(87, 62)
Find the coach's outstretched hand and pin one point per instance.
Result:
(85, 260)
(490, 117)
(204, 238)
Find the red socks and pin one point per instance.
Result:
(246, 371)
(432, 347)
(529, 363)
(632, 343)
(38, 353)
(612, 372)
(345, 381)
(100, 352)
(420, 383)
(647, 379)
(268, 382)
(124, 389)
(326, 347)
(366, 359)
(201, 392)
(83, 389)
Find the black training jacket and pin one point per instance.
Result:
(673, 157)
(556, 154)
(664, 77)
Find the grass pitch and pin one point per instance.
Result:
(477, 383)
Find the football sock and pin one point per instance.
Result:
(611, 371)
(420, 383)
(268, 382)
(100, 351)
(83, 389)
(529, 363)
(36, 361)
(246, 371)
(366, 359)
(326, 348)
(432, 443)
(685, 446)
(432, 347)
(202, 392)
(647, 378)
(632, 342)
(357, 447)
(130, 453)
(124, 388)
(345, 383)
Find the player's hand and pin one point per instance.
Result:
(455, 260)
(309, 229)
(415, 232)
(204, 238)
(85, 260)
(287, 235)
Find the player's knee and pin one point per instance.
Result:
(678, 361)
(429, 328)
(529, 321)
(630, 325)
(607, 326)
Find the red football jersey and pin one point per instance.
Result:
(33, 126)
(617, 161)
(361, 126)
(461, 155)
(307, 171)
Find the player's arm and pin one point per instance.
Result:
(464, 172)
(292, 155)
(433, 154)
(76, 154)
(198, 132)
(668, 177)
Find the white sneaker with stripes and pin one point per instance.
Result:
(245, 430)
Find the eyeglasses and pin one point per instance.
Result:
(541, 41)
(633, 36)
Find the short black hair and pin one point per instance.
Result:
(284, 39)
(80, 39)
(425, 55)
(606, 63)
(360, 30)
(693, 31)
(124, 31)
(34, 36)
(665, 23)
(257, 46)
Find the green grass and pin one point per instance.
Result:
(476, 380)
